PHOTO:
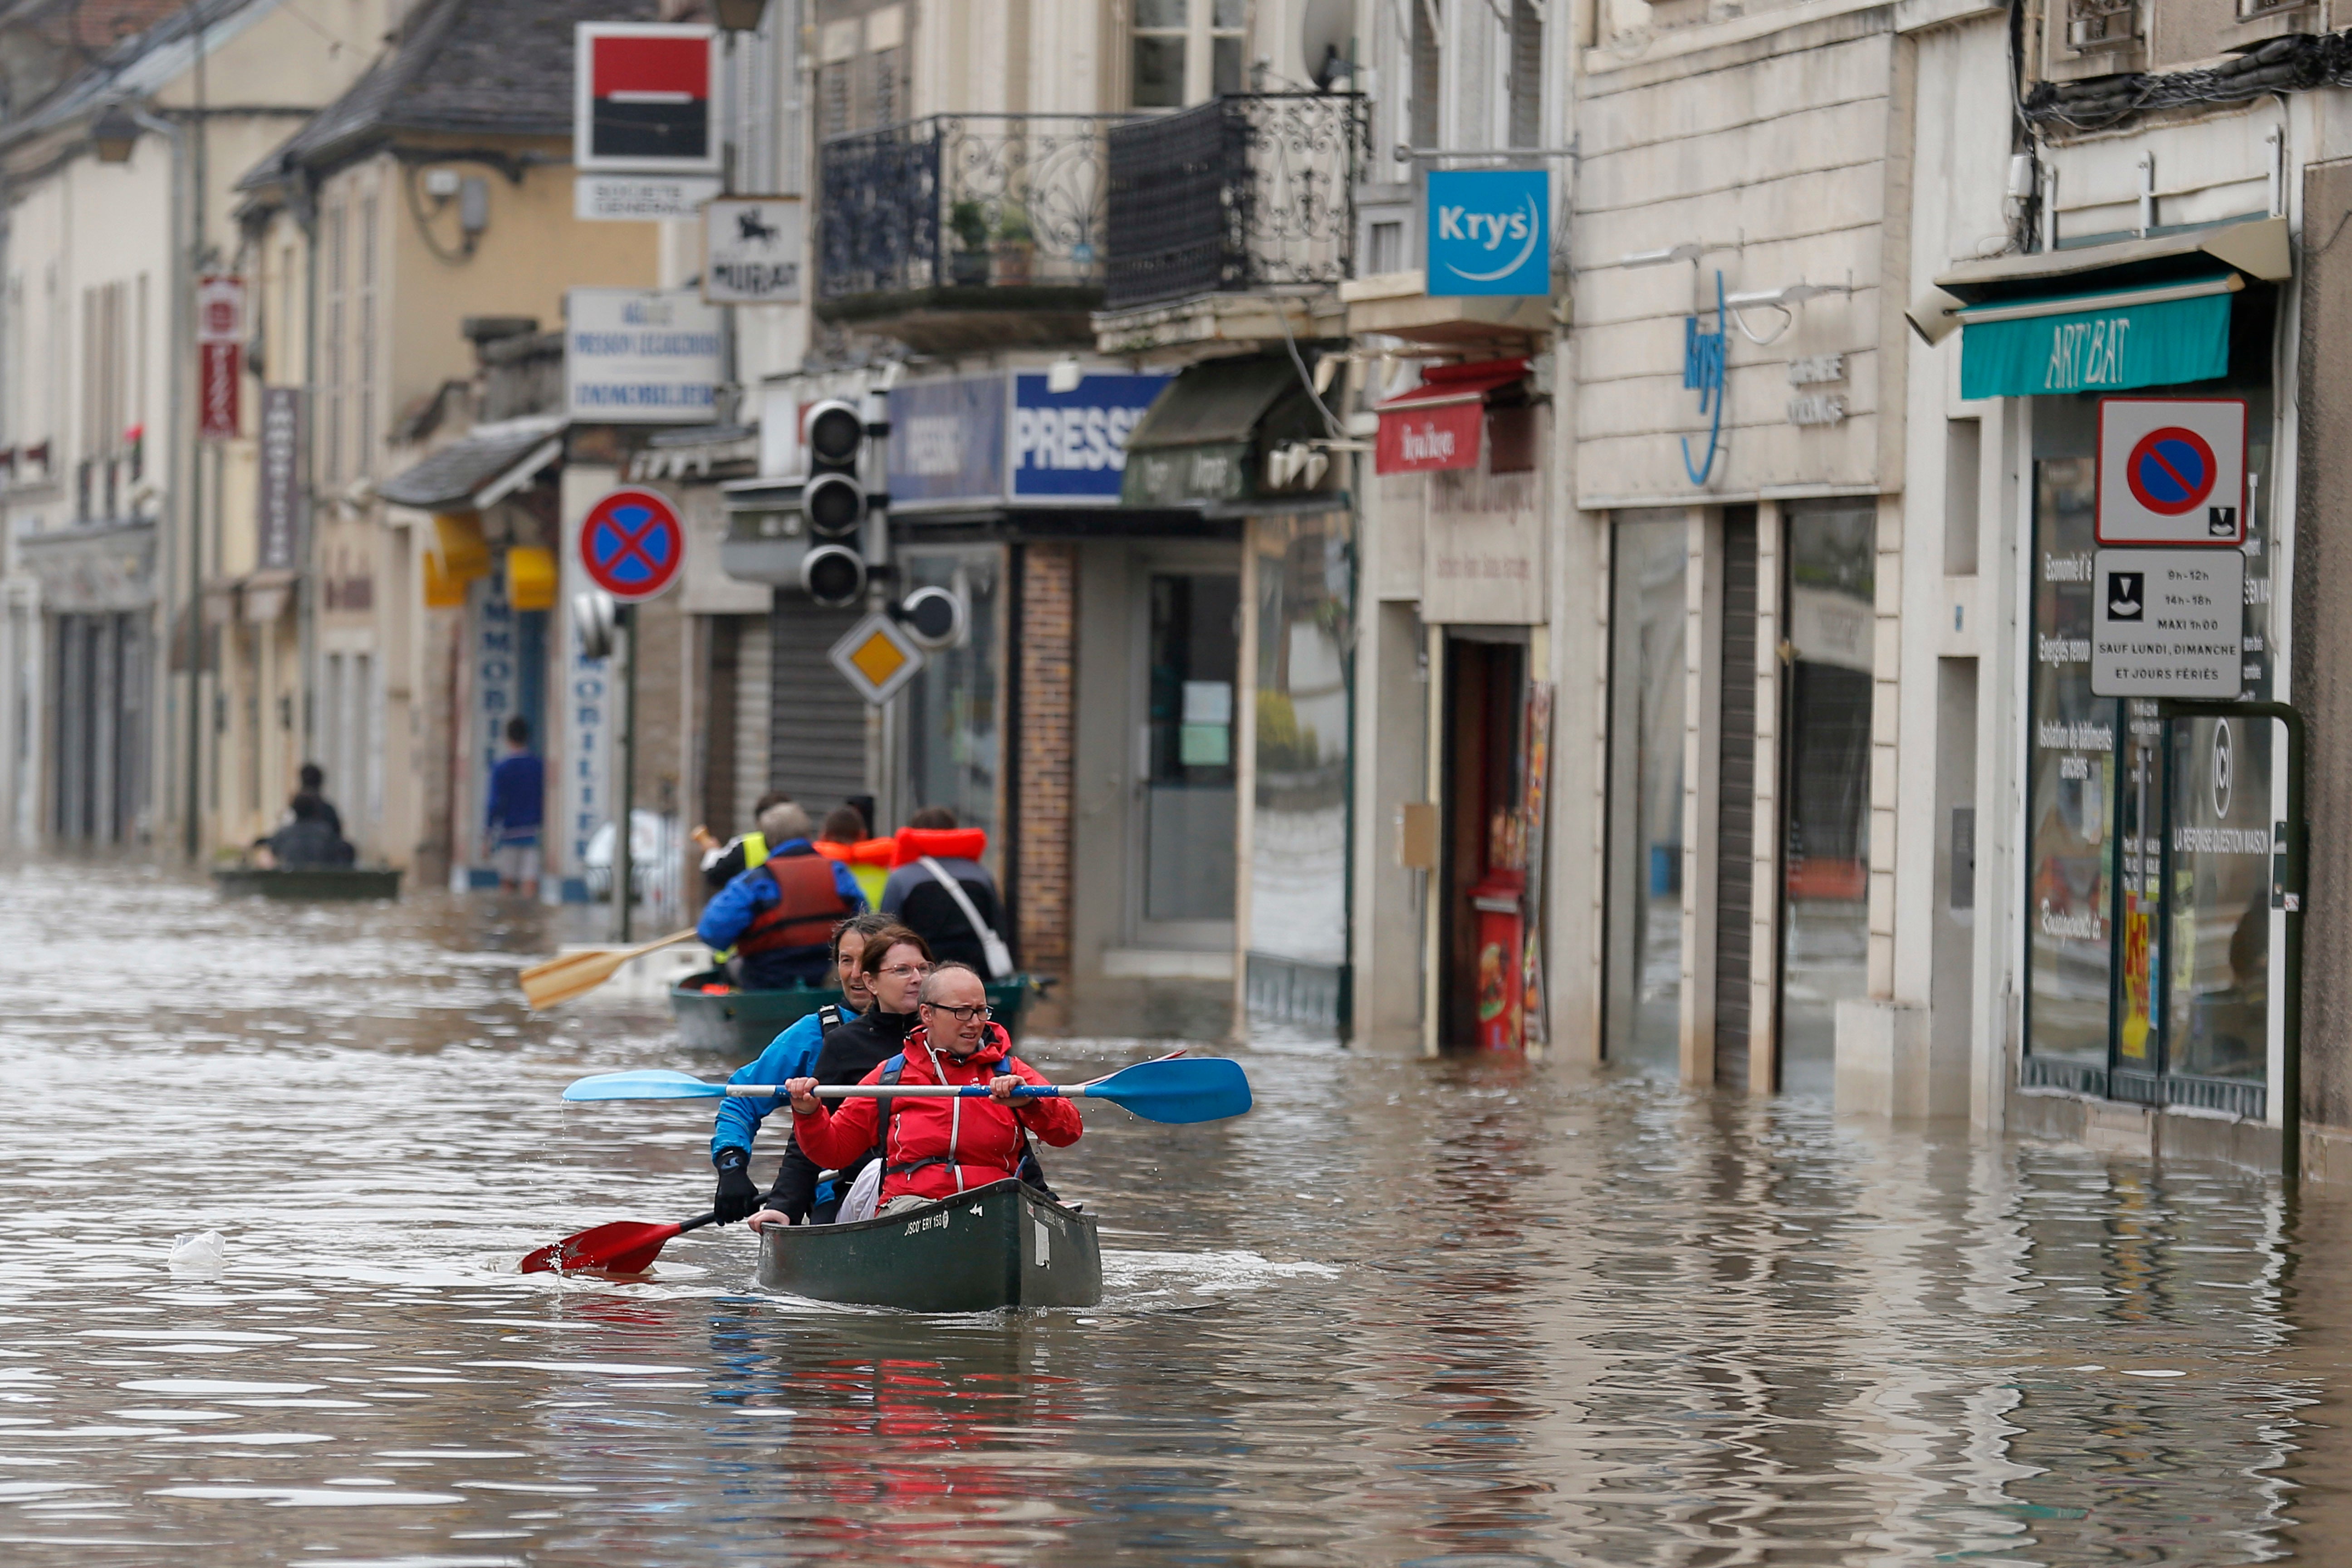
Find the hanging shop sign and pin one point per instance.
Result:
(1073, 444)
(640, 355)
(1438, 425)
(632, 544)
(641, 102)
(2167, 623)
(1489, 231)
(220, 354)
(751, 250)
(2172, 470)
(282, 507)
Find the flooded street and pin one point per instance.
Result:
(1458, 1313)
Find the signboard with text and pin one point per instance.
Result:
(640, 355)
(1071, 445)
(1489, 231)
(2167, 623)
(283, 510)
(220, 354)
(751, 250)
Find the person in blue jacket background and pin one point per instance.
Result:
(791, 1054)
(778, 916)
(516, 805)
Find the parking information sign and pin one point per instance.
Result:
(2172, 470)
(2167, 623)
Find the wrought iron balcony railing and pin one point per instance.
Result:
(1250, 191)
(965, 202)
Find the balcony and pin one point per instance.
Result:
(1251, 195)
(965, 230)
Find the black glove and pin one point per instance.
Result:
(737, 1198)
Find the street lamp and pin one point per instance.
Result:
(738, 15)
(115, 135)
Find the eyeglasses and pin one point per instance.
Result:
(962, 1014)
(907, 971)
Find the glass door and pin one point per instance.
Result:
(1186, 774)
(1648, 619)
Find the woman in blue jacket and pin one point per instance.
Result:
(790, 1055)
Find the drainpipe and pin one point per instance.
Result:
(179, 499)
(306, 583)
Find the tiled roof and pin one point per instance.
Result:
(488, 68)
(452, 476)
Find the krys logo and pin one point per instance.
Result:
(1521, 227)
(1489, 231)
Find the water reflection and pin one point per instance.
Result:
(1463, 1312)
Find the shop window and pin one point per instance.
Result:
(1831, 564)
(2149, 922)
(951, 714)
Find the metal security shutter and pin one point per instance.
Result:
(1735, 871)
(817, 727)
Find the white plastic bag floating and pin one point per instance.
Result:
(201, 1254)
(864, 1195)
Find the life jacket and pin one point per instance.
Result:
(1031, 1170)
(941, 843)
(808, 907)
(755, 850)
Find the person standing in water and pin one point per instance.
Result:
(516, 805)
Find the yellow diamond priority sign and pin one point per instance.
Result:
(878, 657)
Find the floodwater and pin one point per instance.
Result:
(1460, 1313)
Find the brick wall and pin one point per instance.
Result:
(1048, 732)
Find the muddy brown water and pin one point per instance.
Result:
(1462, 1312)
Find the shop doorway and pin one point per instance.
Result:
(1481, 917)
(1181, 836)
(1648, 622)
(1831, 561)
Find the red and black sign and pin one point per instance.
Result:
(645, 98)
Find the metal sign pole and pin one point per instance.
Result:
(624, 870)
(2290, 893)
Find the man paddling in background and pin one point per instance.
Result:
(937, 1147)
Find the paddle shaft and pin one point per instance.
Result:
(910, 1090)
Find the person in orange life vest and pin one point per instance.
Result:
(842, 838)
(778, 916)
(917, 896)
(937, 1148)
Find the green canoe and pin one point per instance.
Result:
(310, 881)
(739, 1023)
(1003, 1244)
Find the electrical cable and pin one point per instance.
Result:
(424, 225)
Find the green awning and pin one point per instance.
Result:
(2166, 335)
(1199, 442)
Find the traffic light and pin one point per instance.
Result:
(836, 503)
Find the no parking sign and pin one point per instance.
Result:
(632, 544)
(2172, 470)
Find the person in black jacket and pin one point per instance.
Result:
(894, 964)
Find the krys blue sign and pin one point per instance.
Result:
(1489, 231)
(1073, 444)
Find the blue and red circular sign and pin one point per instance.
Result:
(2171, 471)
(632, 544)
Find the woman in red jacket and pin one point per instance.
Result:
(940, 1147)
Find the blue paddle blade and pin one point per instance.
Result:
(1189, 1089)
(644, 1083)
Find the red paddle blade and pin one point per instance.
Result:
(624, 1247)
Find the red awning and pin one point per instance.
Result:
(1437, 424)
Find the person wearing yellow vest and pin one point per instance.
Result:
(778, 916)
(723, 863)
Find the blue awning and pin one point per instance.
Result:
(2165, 335)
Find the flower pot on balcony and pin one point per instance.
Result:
(1014, 258)
(967, 269)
